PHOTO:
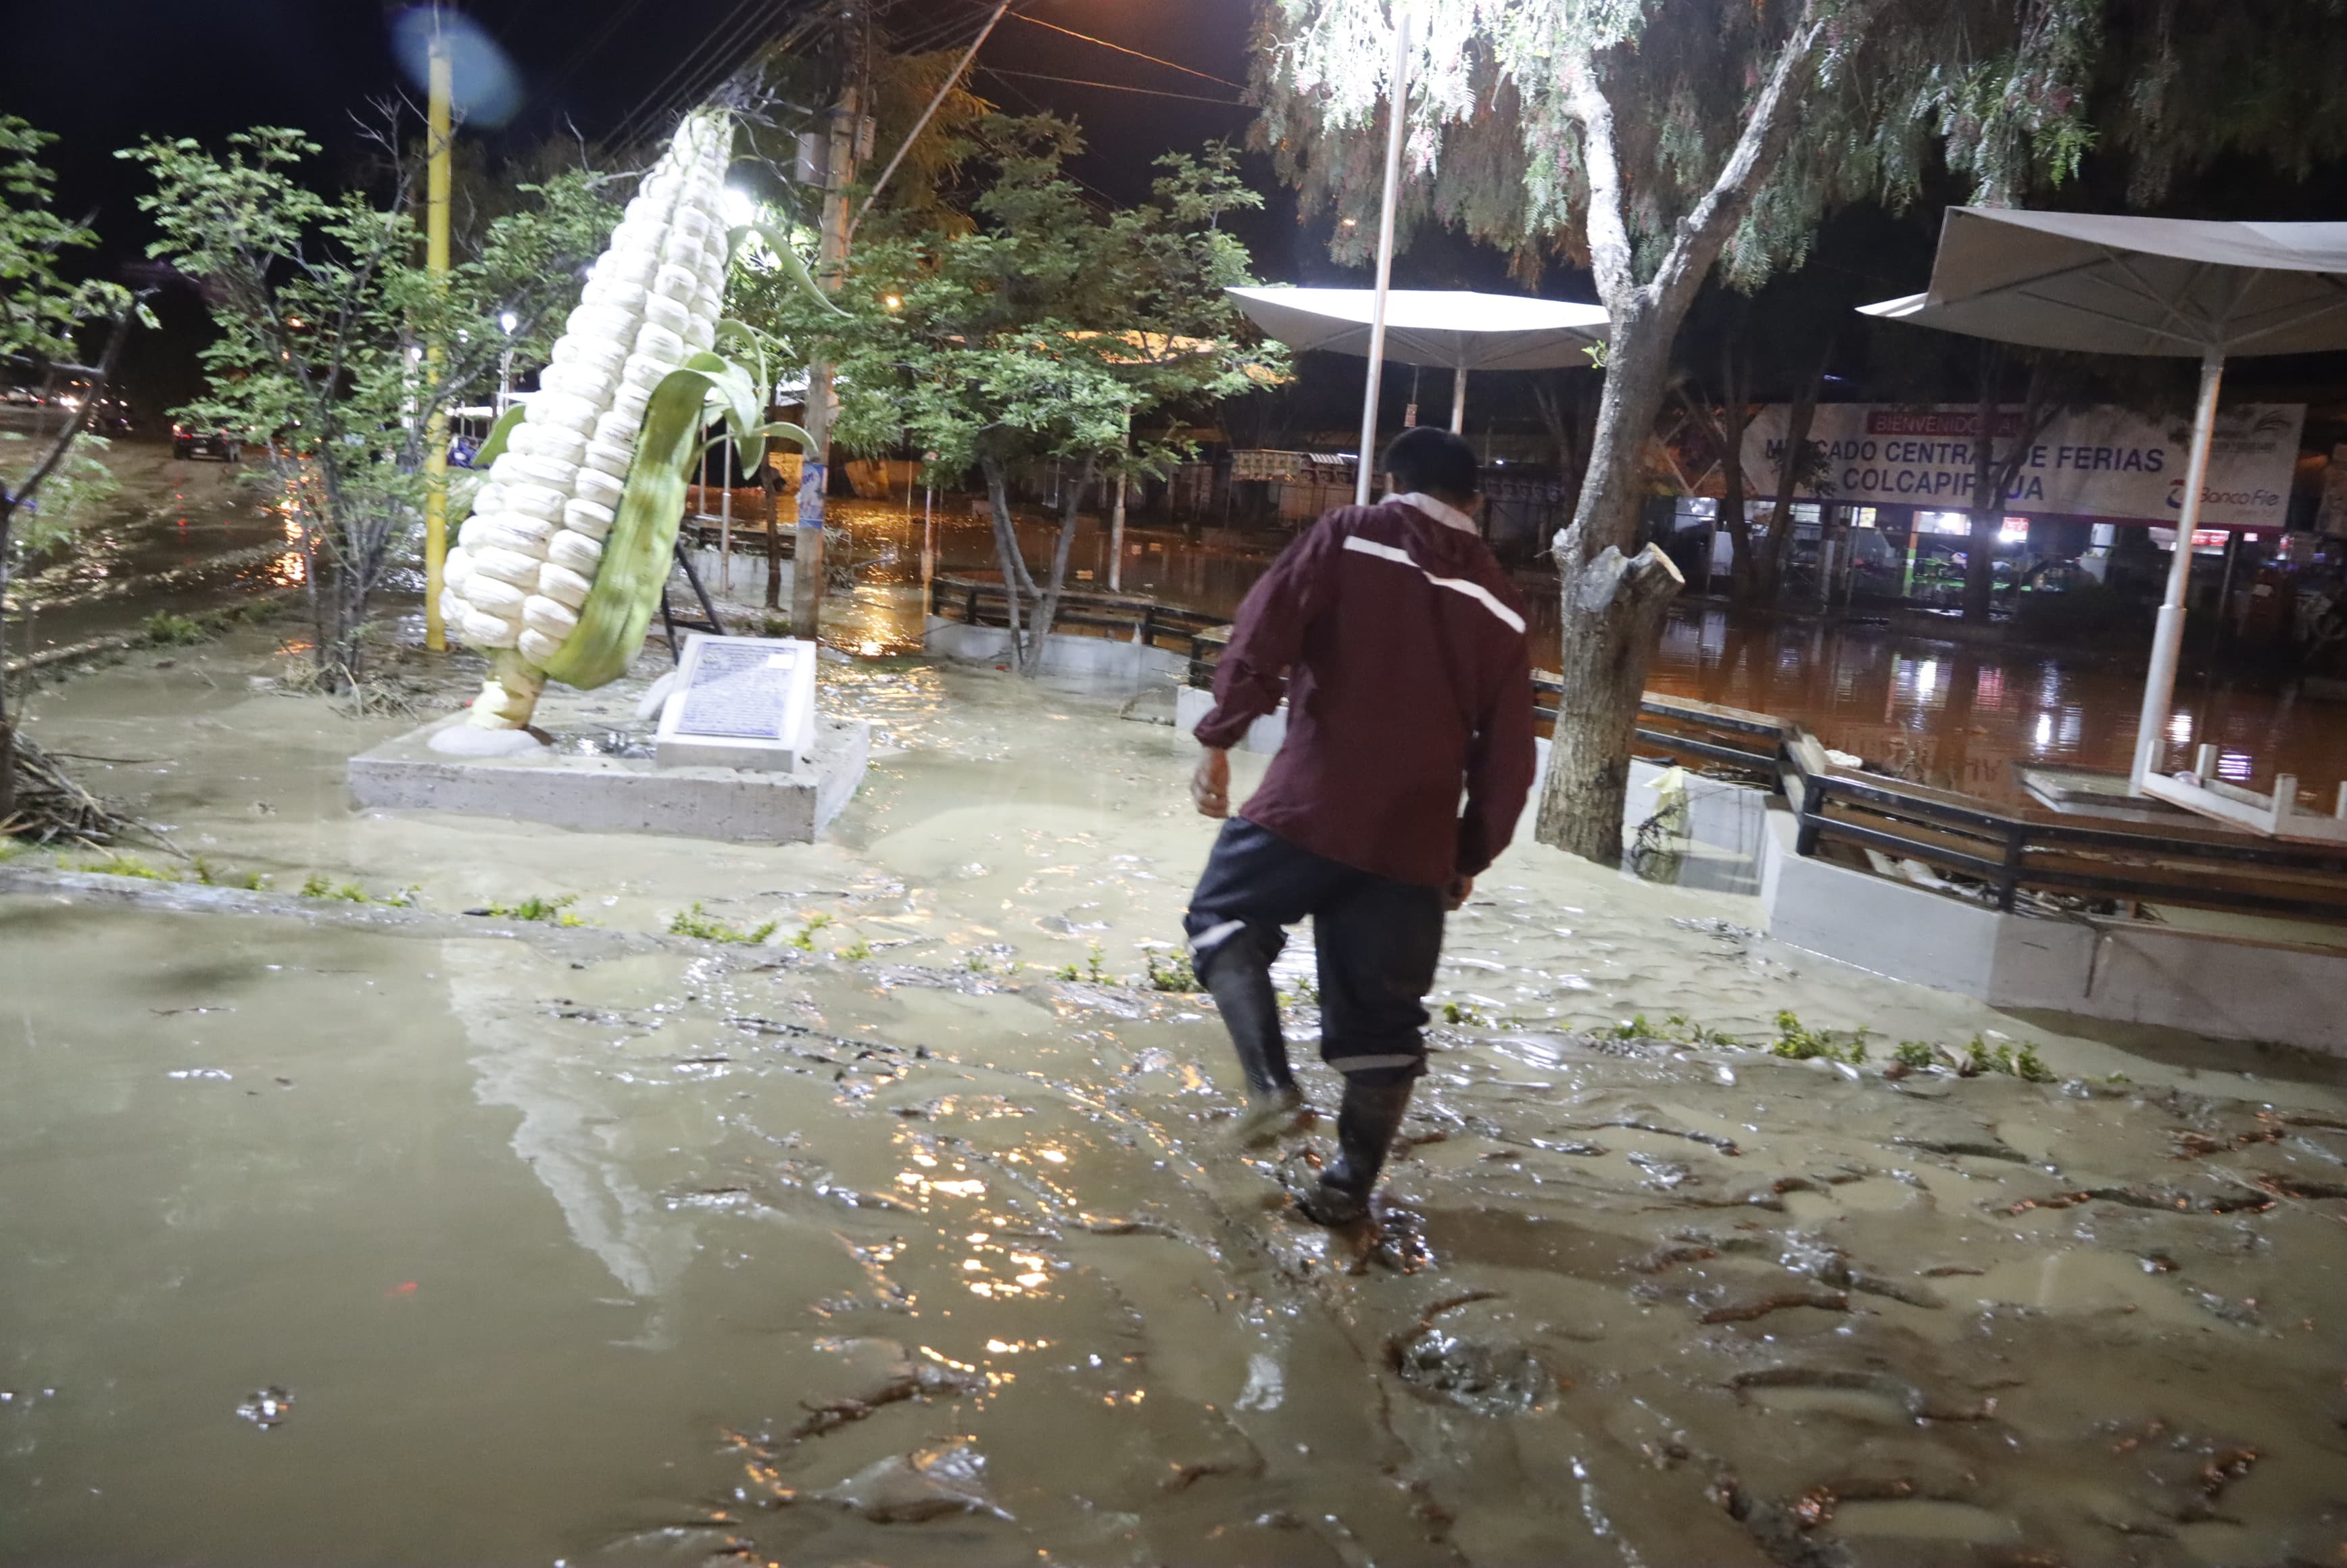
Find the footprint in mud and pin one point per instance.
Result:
(1489, 1377)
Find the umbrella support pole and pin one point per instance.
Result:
(1459, 401)
(1397, 116)
(2159, 682)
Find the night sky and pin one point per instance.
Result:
(104, 75)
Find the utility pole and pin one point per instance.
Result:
(846, 138)
(435, 267)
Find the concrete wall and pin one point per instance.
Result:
(2224, 987)
(1094, 664)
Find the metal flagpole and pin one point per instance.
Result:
(2160, 684)
(1397, 114)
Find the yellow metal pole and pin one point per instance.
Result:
(435, 264)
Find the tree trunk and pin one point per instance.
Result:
(1611, 604)
(771, 482)
(7, 720)
(1046, 610)
(1006, 545)
(1789, 469)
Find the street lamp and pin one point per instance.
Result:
(508, 322)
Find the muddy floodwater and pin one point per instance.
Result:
(910, 1233)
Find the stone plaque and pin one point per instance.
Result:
(739, 703)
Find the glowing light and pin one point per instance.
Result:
(1053, 1155)
(508, 321)
(738, 205)
(894, 301)
(2179, 728)
(870, 650)
(2044, 729)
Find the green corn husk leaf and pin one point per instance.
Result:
(779, 243)
(640, 548)
(500, 433)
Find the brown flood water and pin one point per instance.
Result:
(879, 1242)
(1940, 711)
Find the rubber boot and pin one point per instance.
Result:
(1241, 983)
(1365, 1126)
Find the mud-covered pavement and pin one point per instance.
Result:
(358, 1232)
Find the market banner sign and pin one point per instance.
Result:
(2099, 462)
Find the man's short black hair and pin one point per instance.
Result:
(1436, 462)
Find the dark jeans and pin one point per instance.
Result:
(1378, 942)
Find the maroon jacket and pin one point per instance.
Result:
(1401, 649)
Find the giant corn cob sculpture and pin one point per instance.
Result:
(559, 568)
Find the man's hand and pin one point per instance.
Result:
(1457, 891)
(1210, 786)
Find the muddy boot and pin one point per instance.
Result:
(1365, 1126)
(1250, 1007)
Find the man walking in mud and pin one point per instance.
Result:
(1399, 647)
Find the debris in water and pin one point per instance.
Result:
(904, 1488)
(267, 1407)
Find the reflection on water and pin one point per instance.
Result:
(1942, 713)
(1959, 716)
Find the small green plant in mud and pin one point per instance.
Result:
(699, 922)
(856, 952)
(1635, 1028)
(539, 907)
(211, 876)
(1797, 1041)
(166, 629)
(1307, 993)
(1684, 1030)
(1094, 969)
(1915, 1054)
(1980, 1057)
(803, 938)
(1464, 1015)
(119, 865)
(1172, 972)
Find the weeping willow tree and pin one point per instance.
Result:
(1658, 141)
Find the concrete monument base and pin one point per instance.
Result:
(595, 791)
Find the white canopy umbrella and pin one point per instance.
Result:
(1455, 329)
(2171, 286)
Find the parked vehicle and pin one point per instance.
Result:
(220, 444)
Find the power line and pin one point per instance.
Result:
(578, 56)
(716, 51)
(1136, 54)
(1115, 87)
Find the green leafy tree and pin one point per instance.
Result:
(1661, 139)
(324, 308)
(41, 312)
(1045, 330)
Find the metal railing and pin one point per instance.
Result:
(1133, 618)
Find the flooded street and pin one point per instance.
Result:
(1960, 716)
(910, 1232)
(182, 535)
(1951, 713)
